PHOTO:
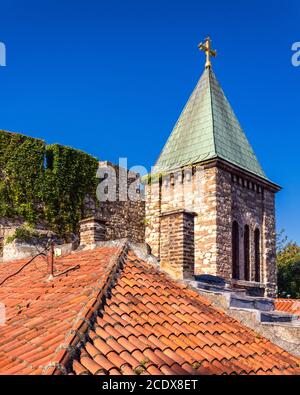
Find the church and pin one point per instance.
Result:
(183, 283)
(210, 208)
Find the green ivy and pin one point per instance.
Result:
(70, 175)
(41, 183)
(21, 174)
(24, 233)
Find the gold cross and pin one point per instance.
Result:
(206, 47)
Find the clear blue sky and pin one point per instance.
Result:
(111, 77)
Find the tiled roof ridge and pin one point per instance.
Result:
(133, 336)
(76, 336)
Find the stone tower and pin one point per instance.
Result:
(210, 209)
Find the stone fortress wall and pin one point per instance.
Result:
(123, 218)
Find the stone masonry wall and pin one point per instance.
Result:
(248, 202)
(269, 241)
(219, 196)
(152, 216)
(206, 223)
(124, 217)
(236, 202)
(194, 190)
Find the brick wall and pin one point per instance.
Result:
(177, 250)
(91, 230)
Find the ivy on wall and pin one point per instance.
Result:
(21, 175)
(70, 175)
(44, 184)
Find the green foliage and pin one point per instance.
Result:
(21, 175)
(42, 183)
(25, 233)
(281, 240)
(70, 175)
(288, 266)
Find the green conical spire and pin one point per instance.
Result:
(207, 129)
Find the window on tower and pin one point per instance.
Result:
(235, 251)
(246, 253)
(257, 254)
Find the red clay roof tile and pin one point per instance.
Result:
(288, 305)
(149, 324)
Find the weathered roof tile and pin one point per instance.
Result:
(288, 305)
(146, 324)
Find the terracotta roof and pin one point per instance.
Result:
(42, 315)
(119, 315)
(288, 305)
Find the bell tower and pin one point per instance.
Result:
(210, 208)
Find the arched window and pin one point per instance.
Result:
(257, 254)
(235, 251)
(246, 253)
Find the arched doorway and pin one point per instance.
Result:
(257, 254)
(235, 251)
(247, 253)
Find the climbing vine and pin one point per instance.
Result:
(21, 176)
(70, 175)
(44, 184)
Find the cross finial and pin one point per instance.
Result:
(206, 47)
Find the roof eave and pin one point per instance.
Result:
(212, 161)
(220, 161)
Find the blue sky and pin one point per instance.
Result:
(111, 77)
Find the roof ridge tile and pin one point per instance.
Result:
(79, 331)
